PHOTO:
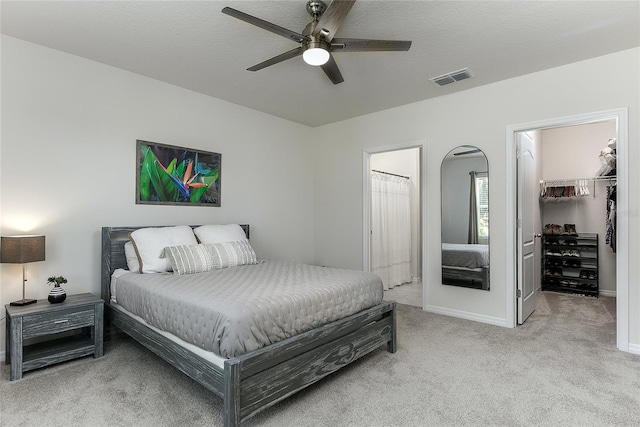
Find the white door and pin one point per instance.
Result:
(528, 227)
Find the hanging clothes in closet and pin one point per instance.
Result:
(610, 236)
(390, 228)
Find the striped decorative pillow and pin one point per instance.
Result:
(189, 259)
(231, 254)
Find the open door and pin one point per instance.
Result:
(529, 227)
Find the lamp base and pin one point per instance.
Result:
(21, 302)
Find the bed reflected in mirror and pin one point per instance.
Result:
(465, 218)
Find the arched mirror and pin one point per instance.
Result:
(465, 218)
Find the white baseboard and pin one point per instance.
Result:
(634, 348)
(467, 315)
(606, 293)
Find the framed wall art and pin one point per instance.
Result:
(170, 175)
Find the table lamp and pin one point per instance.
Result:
(22, 250)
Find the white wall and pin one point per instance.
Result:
(480, 115)
(67, 165)
(572, 152)
(406, 163)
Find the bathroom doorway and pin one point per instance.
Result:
(393, 221)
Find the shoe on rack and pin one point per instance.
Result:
(570, 229)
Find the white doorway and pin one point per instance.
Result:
(513, 223)
(402, 167)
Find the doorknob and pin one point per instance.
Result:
(537, 235)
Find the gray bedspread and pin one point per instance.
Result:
(240, 309)
(465, 255)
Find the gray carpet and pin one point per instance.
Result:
(559, 369)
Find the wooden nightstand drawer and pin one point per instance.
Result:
(60, 321)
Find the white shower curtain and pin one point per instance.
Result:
(391, 229)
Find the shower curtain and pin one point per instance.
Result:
(390, 229)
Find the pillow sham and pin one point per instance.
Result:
(219, 233)
(150, 243)
(189, 259)
(132, 257)
(231, 254)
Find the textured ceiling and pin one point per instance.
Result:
(193, 45)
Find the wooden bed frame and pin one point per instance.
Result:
(256, 380)
(469, 278)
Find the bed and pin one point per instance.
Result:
(465, 265)
(254, 380)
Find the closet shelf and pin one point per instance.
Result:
(570, 188)
(570, 263)
(572, 181)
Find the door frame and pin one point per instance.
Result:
(622, 206)
(366, 205)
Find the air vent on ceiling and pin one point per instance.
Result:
(452, 77)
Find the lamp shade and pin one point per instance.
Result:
(21, 249)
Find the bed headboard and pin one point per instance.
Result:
(113, 240)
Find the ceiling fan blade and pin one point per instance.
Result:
(331, 19)
(365, 45)
(281, 31)
(332, 71)
(276, 59)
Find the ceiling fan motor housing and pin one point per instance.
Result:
(316, 7)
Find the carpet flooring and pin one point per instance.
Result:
(560, 368)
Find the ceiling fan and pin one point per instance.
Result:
(317, 41)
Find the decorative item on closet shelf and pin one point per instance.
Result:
(565, 189)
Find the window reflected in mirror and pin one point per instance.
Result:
(465, 218)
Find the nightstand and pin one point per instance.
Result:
(35, 338)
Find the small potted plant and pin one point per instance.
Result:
(57, 294)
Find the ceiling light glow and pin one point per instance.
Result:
(315, 56)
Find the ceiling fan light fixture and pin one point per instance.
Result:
(315, 54)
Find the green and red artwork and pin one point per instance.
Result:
(170, 175)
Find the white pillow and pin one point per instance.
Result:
(150, 243)
(132, 257)
(219, 233)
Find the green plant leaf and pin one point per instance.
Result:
(145, 178)
(209, 179)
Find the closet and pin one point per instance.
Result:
(577, 195)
